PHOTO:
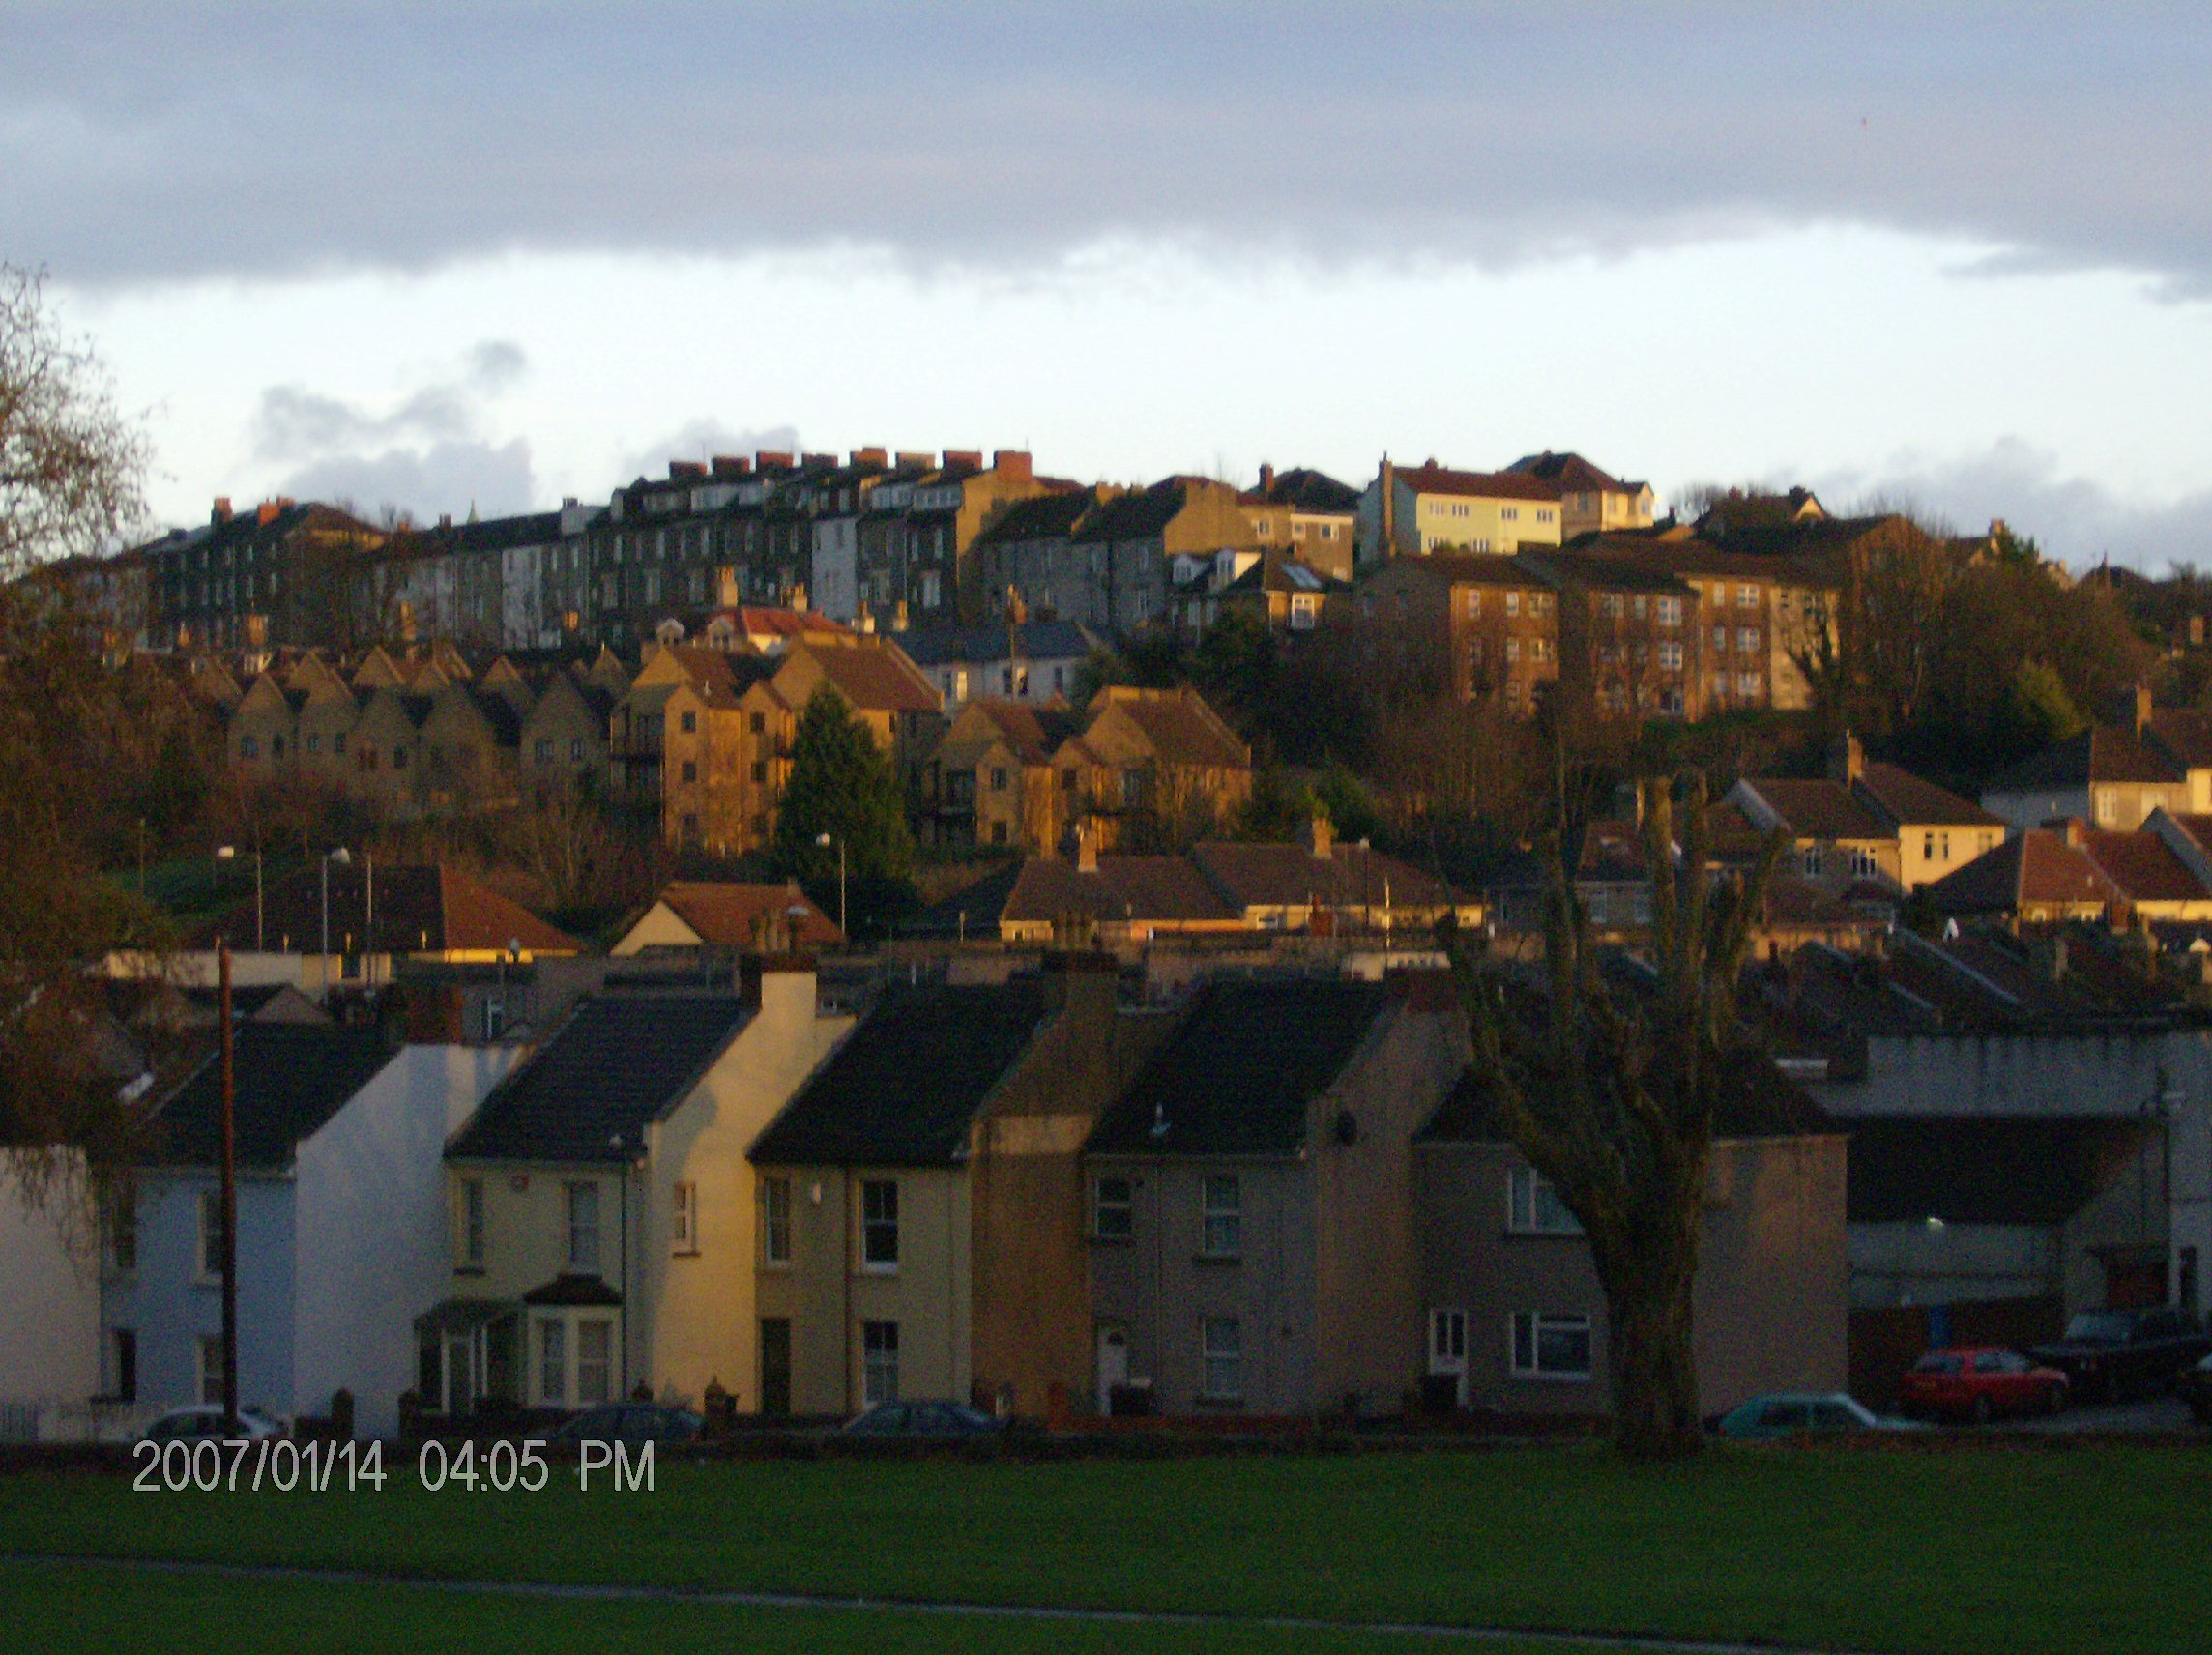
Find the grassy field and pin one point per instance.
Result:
(2088, 1549)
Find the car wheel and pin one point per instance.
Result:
(1982, 1412)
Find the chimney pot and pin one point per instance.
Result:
(1267, 476)
(1320, 836)
(221, 512)
(871, 456)
(956, 459)
(266, 512)
(774, 460)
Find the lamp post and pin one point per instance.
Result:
(824, 840)
(343, 857)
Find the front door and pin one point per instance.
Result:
(460, 1374)
(1448, 1351)
(776, 1366)
(1112, 1363)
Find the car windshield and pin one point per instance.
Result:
(2099, 1328)
(1936, 1362)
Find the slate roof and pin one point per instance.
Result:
(1605, 573)
(877, 680)
(1032, 640)
(1142, 889)
(288, 1080)
(2183, 735)
(2098, 754)
(2038, 866)
(904, 1088)
(1983, 1170)
(1042, 517)
(1820, 809)
(1182, 729)
(1757, 1101)
(1141, 515)
(727, 914)
(1911, 801)
(1291, 876)
(615, 1062)
(1303, 489)
(1238, 1075)
(2142, 866)
(1434, 478)
(420, 907)
(1484, 569)
(1572, 472)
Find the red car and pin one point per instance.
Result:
(1980, 1382)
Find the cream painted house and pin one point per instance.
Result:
(1414, 510)
(603, 1213)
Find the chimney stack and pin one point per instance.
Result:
(1267, 476)
(963, 459)
(911, 459)
(1847, 759)
(686, 471)
(731, 465)
(899, 621)
(1321, 836)
(221, 512)
(266, 512)
(773, 459)
(1012, 464)
(871, 456)
(2142, 708)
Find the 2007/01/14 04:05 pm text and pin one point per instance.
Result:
(281, 1465)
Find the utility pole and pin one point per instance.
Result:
(230, 1199)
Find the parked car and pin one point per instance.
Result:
(1980, 1382)
(2111, 1353)
(207, 1419)
(630, 1422)
(1788, 1414)
(923, 1419)
(2195, 1388)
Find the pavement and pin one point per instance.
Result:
(2150, 1413)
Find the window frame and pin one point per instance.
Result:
(1525, 1331)
(775, 1224)
(571, 1191)
(1220, 1366)
(1124, 1204)
(1526, 1211)
(879, 1362)
(876, 1227)
(684, 1219)
(1221, 1215)
(603, 1329)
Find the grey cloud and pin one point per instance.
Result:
(451, 478)
(2071, 518)
(425, 453)
(156, 141)
(702, 439)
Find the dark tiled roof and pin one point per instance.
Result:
(2144, 868)
(1280, 875)
(2005, 1170)
(288, 1079)
(1610, 574)
(572, 1289)
(903, 1088)
(2038, 866)
(1756, 1101)
(1143, 890)
(1434, 478)
(1464, 568)
(1236, 1077)
(727, 914)
(1820, 809)
(1138, 516)
(1913, 803)
(1032, 640)
(420, 907)
(2098, 754)
(2184, 736)
(1042, 517)
(614, 1063)
(1571, 470)
(1312, 491)
(1180, 726)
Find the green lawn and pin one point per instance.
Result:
(103, 1609)
(2090, 1550)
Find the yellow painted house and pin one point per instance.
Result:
(603, 1213)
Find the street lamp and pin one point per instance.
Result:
(343, 857)
(229, 853)
(824, 840)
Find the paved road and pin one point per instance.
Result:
(2151, 1414)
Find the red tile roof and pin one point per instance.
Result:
(1434, 478)
(2142, 866)
(727, 914)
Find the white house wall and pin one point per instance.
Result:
(50, 1290)
(373, 1251)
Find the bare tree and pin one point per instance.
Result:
(1611, 1093)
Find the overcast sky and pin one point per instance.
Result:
(497, 255)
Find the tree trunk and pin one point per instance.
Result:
(1651, 1346)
